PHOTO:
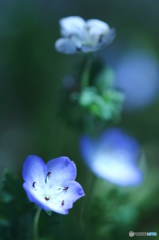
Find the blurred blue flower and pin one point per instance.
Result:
(114, 157)
(51, 186)
(80, 35)
(137, 75)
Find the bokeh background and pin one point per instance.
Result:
(32, 74)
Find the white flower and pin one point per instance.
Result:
(81, 35)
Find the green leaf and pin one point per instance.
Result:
(105, 79)
(49, 213)
(105, 106)
(16, 212)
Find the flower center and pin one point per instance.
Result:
(51, 194)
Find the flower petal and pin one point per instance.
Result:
(100, 33)
(115, 140)
(34, 170)
(87, 49)
(74, 192)
(117, 173)
(38, 199)
(66, 46)
(62, 170)
(56, 207)
(72, 26)
(113, 157)
(69, 196)
(109, 37)
(87, 148)
(97, 30)
(95, 26)
(35, 197)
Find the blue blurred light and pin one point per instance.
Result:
(137, 74)
(113, 156)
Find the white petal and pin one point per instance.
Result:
(66, 46)
(117, 170)
(36, 197)
(72, 25)
(34, 170)
(87, 49)
(109, 37)
(99, 32)
(62, 170)
(74, 192)
(96, 25)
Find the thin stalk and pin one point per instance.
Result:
(86, 72)
(36, 221)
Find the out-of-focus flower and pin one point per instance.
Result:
(137, 75)
(51, 186)
(85, 36)
(113, 156)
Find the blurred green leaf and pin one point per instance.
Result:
(105, 106)
(105, 79)
(16, 211)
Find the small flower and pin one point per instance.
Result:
(85, 36)
(142, 88)
(51, 186)
(113, 156)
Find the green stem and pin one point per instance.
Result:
(86, 72)
(85, 210)
(36, 221)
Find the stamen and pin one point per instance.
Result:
(48, 174)
(63, 188)
(47, 198)
(62, 203)
(33, 184)
(100, 38)
(47, 177)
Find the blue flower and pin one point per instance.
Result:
(137, 75)
(51, 186)
(85, 36)
(114, 157)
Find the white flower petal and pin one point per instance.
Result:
(34, 170)
(74, 192)
(62, 170)
(109, 37)
(100, 33)
(72, 25)
(58, 208)
(66, 46)
(87, 49)
(117, 172)
(95, 25)
(36, 197)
